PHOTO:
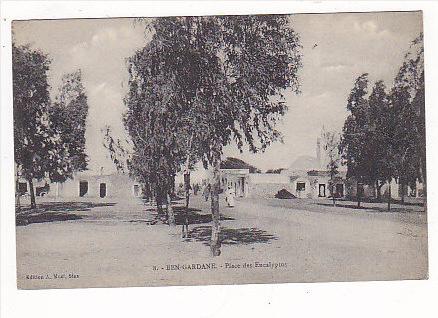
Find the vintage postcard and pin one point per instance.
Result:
(198, 150)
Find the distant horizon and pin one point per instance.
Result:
(337, 48)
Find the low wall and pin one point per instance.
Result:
(268, 190)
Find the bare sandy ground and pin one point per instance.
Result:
(264, 241)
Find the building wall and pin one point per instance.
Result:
(315, 182)
(267, 190)
(237, 179)
(351, 188)
(370, 192)
(267, 184)
(117, 186)
(305, 192)
(274, 178)
(396, 190)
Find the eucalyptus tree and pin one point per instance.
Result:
(410, 78)
(354, 141)
(68, 115)
(224, 78)
(31, 124)
(400, 141)
(331, 147)
(384, 136)
(376, 140)
(150, 123)
(44, 145)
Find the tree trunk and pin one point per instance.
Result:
(402, 185)
(333, 195)
(17, 194)
(185, 225)
(32, 194)
(389, 195)
(358, 194)
(151, 196)
(187, 189)
(215, 244)
(172, 191)
(151, 200)
(159, 204)
(423, 172)
(379, 191)
(423, 179)
(185, 222)
(170, 214)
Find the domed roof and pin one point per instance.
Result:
(306, 163)
(235, 163)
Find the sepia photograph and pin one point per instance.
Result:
(219, 149)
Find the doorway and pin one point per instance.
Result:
(340, 190)
(136, 190)
(321, 192)
(301, 189)
(242, 181)
(102, 190)
(83, 188)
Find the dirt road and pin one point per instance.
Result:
(264, 240)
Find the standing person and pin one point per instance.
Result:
(195, 189)
(230, 197)
(206, 192)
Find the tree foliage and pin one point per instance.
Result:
(38, 148)
(203, 82)
(331, 147)
(48, 139)
(33, 137)
(226, 75)
(384, 136)
(68, 115)
(378, 135)
(355, 131)
(410, 79)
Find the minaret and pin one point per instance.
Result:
(318, 152)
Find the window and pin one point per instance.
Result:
(102, 190)
(301, 186)
(22, 188)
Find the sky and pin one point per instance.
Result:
(337, 48)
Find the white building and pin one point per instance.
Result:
(307, 177)
(85, 185)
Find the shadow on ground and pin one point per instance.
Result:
(242, 236)
(45, 217)
(55, 211)
(409, 201)
(194, 217)
(65, 206)
(370, 208)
